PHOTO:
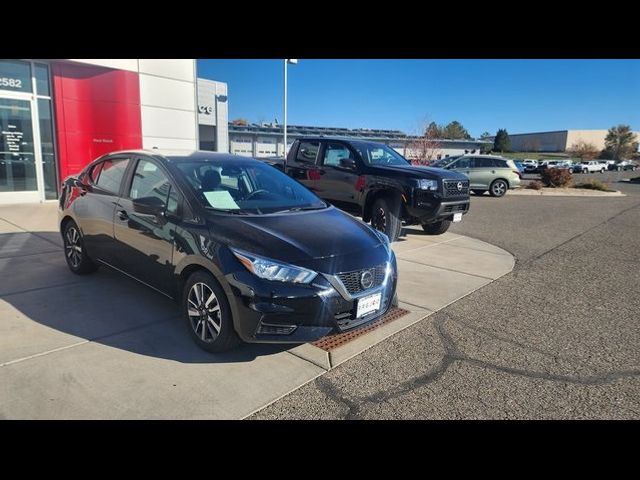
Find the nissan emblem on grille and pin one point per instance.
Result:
(366, 279)
(459, 186)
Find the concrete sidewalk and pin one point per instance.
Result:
(103, 346)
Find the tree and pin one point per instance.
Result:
(583, 150)
(485, 135)
(502, 143)
(618, 144)
(455, 131)
(433, 130)
(424, 149)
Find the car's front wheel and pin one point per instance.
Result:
(74, 250)
(385, 217)
(437, 228)
(498, 188)
(207, 313)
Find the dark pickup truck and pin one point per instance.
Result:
(375, 182)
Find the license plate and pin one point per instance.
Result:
(368, 304)
(457, 217)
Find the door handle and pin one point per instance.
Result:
(122, 215)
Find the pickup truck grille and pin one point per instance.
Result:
(351, 280)
(451, 188)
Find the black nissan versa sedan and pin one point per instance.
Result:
(248, 252)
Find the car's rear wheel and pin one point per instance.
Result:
(74, 250)
(385, 217)
(437, 228)
(478, 192)
(207, 313)
(602, 171)
(498, 188)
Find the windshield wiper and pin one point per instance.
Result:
(299, 209)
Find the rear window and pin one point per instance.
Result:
(111, 173)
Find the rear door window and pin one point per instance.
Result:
(308, 152)
(111, 174)
(334, 153)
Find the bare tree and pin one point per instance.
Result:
(424, 148)
(583, 150)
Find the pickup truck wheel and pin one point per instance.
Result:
(385, 217)
(437, 228)
(498, 188)
(602, 171)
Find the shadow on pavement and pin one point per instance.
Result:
(104, 307)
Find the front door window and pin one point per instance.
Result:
(17, 153)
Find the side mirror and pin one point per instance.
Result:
(148, 206)
(78, 184)
(348, 163)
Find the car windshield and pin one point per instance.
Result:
(246, 187)
(377, 154)
(444, 162)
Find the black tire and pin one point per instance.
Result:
(394, 301)
(498, 188)
(478, 192)
(437, 228)
(213, 329)
(602, 171)
(74, 251)
(385, 217)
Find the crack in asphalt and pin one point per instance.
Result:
(452, 355)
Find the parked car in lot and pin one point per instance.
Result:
(623, 165)
(590, 166)
(485, 172)
(375, 182)
(247, 252)
(519, 166)
(530, 166)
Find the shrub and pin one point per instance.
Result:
(535, 185)
(556, 177)
(595, 185)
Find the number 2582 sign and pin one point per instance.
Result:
(10, 82)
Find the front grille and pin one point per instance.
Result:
(451, 188)
(351, 280)
(455, 208)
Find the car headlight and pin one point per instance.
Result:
(425, 184)
(273, 270)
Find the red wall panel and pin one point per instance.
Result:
(97, 111)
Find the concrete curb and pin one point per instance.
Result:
(565, 192)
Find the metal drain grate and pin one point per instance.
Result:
(330, 342)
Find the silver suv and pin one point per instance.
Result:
(486, 172)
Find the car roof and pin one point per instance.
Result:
(184, 155)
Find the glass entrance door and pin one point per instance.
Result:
(17, 150)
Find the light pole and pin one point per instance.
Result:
(286, 62)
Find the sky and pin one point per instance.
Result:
(484, 95)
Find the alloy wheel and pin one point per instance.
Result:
(380, 220)
(203, 309)
(73, 247)
(499, 188)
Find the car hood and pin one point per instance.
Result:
(306, 238)
(417, 171)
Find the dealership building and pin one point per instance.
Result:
(57, 116)
(557, 140)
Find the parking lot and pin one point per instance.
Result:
(557, 338)
(103, 346)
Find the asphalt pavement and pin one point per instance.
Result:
(557, 338)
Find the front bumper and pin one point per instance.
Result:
(275, 312)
